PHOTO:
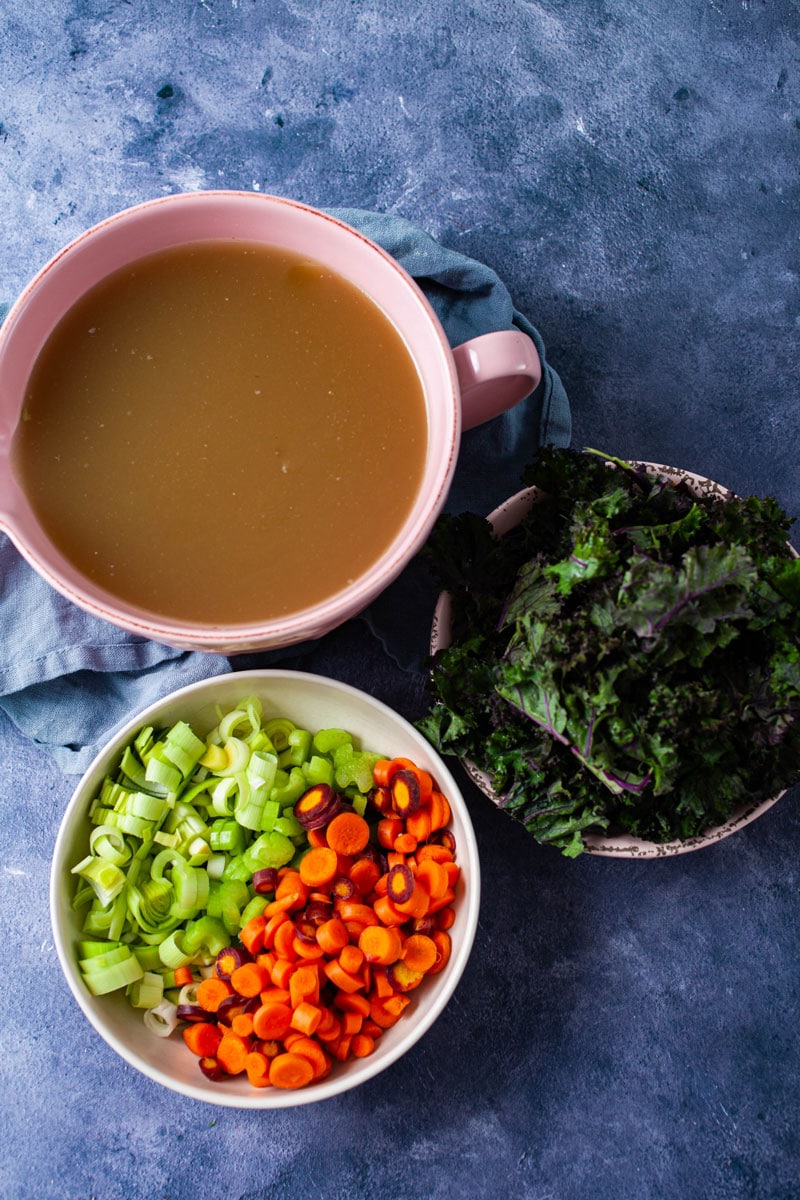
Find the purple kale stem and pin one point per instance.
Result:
(628, 787)
(547, 725)
(689, 596)
(587, 747)
(579, 561)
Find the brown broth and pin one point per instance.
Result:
(223, 432)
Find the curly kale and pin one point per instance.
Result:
(627, 658)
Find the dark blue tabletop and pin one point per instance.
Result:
(624, 1029)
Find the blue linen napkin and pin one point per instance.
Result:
(69, 680)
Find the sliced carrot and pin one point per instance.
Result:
(272, 1021)
(288, 902)
(307, 1048)
(444, 948)
(232, 1052)
(445, 917)
(396, 1005)
(371, 1030)
(418, 825)
(306, 1018)
(202, 1038)
(275, 995)
(342, 979)
(419, 952)
(364, 874)
(355, 1002)
(251, 935)
(256, 1065)
(362, 1045)
(381, 1015)
(290, 1070)
(249, 979)
(304, 985)
(382, 772)
(319, 866)
(405, 843)
(432, 876)
(351, 1023)
(242, 1024)
(442, 901)
(387, 913)
(381, 944)
(282, 972)
(381, 799)
(354, 910)
(311, 951)
(435, 851)
(341, 1049)
(274, 922)
(347, 833)
(329, 1032)
(284, 941)
(417, 904)
(316, 837)
(439, 810)
(332, 935)
(183, 976)
(351, 959)
(382, 986)
(267, 959)
(211, 992)
(289, 883)
(387, 831)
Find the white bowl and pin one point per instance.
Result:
(315, 703)
(504, 518)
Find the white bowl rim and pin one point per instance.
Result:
(505, 517)
(359, 1071)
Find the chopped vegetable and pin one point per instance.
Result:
(265, 915)
(627, 658)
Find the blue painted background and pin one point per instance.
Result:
(623, 1030)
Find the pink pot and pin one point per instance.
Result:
(463, 387)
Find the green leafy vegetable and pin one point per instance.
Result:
(627, 658)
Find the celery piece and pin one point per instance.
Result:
(227, 835)
(289, 826)
(297, 750)
(318, 770)
(269, 850)
(353, 766)
(269, 815)
(206, 933)
(254, 908)
(292, 790)
(326, 740)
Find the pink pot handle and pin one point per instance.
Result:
(495, 371)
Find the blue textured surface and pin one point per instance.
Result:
(623, 1030)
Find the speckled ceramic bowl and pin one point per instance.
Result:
(315, 703)
(505, 517)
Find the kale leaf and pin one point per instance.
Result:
(627, 658)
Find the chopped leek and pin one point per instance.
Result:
(177, 833)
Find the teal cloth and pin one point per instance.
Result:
(69, 680)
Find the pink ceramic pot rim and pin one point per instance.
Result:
(18, 520)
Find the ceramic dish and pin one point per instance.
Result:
(313, 702)
(504, 518)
